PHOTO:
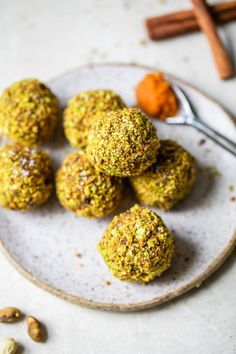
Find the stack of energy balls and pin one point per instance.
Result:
(115, 144)
(28, 117)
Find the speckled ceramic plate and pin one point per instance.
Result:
(43, 244)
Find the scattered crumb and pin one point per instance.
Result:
(186, 259)
(198, 285)
(103, 55)
(142, 41)
(185, 59)
(79, 255)
(201, 142)
(126, 5)
(230, 188)
(132, 62)
(233, 199)
(207, 151)
(214, 172)
(107, 282)
(94, 51)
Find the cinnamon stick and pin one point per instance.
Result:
(183, 22)
(205, 21)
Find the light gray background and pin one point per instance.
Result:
(44, 38)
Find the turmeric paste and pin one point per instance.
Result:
(156, 97)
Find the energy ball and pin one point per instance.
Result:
(28, 112)
(81, 113)
(137, 245)
(26, 177)
(169, 179)
(123, 143)
(83, 190)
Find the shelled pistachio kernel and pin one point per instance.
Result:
(83, 190)
(137, 245)
(28, 112)
(82, 110)
(122, 143)
(35, 329)
(10, 314)
(25, 177)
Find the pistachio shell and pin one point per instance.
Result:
(8, 345)
(10, 315)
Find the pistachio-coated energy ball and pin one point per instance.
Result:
(81, 113)
(83, 190)
(28, 112)
(122, 143)
(137, 245)
(169, 179)
(26, 177)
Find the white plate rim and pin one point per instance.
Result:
(194, 283)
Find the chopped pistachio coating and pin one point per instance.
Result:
(169, 179)
(28, 112)
(81, 113)
(137, 245)
(122, 143)
(83, 190)
(25, 177)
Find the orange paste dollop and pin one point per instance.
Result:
(156, 97)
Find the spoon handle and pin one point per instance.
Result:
(215, 136)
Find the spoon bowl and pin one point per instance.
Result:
(187, 116)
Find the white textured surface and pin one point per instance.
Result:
(44, 38)
(45, 241)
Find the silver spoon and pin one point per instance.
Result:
(187, 116)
